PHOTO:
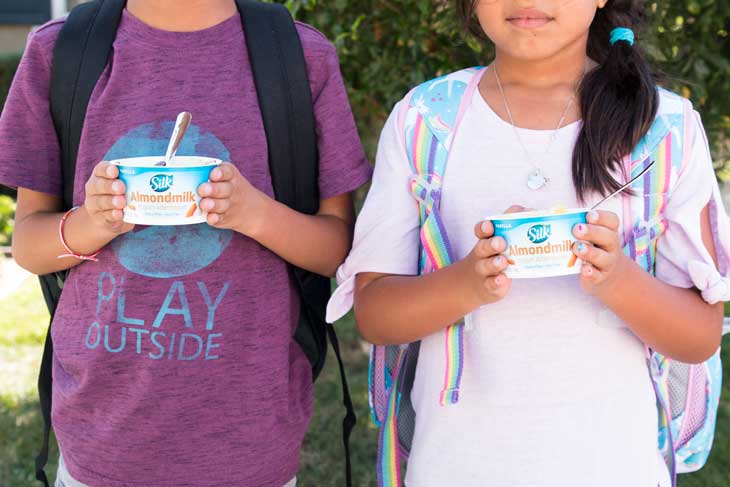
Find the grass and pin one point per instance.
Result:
(23, 322)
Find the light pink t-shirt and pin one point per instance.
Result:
(555, 390)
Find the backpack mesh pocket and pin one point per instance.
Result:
(695, 404)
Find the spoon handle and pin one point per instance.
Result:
(644, 171)
(181, 125)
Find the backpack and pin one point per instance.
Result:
(687, 395)
(280, 75)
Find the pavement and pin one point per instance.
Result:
(12, 276)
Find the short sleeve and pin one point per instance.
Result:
(682, 257)
(29, 151)
(343, 166)
(387, 230)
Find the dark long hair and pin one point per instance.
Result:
(618, 99)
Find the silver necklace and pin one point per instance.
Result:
(536, 179)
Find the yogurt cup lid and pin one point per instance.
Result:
(538, 214)
(180, 161)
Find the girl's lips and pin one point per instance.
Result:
(529, 19)
(529, 22)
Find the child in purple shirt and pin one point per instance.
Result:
(174, 363)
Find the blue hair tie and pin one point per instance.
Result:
(622, 34)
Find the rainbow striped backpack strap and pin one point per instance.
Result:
(687, 395)
(429, 118)
(435, 111)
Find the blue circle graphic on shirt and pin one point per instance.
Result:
(173, 251)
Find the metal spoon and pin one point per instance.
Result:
(181, 125)
(644, 171)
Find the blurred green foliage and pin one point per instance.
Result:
(7, 214)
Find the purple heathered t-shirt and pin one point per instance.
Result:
(174, 363)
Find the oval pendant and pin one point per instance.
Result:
(536, 180)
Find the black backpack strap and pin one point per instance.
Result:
(79, 57)
(285, 101)
(348, 423)
(45, 383)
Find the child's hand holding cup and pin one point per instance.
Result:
(486, 263)
(105, 199)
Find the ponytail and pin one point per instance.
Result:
(618, 99)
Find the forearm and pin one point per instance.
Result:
(317, 243)
(673, 321)
(403, 309)
(37, 245)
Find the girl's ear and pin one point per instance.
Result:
(602, 3)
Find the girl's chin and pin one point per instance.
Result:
(533, 54)
(530, 47)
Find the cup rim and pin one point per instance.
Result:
(186, 162)
(541, 214)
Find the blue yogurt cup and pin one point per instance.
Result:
(164, 195)
(539, 243)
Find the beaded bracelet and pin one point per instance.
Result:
(71, 253)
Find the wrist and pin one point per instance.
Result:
(611, 292)
(83, 235)
(468, 292)
(258, 215)
(88, 226)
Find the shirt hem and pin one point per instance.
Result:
(15, 183)
(363, 174)
(91, 478)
